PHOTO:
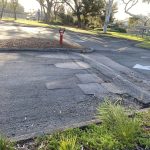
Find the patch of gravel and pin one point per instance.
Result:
(33, 43)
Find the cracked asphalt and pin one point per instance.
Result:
(46, 91)
(28, 106)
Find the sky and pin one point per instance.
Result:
(140, 8)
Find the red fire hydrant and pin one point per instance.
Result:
(61, 32)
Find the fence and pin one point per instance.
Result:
(11, 15)
(142, 31)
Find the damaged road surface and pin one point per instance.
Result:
(43, 92)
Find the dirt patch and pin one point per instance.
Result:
(33, 43)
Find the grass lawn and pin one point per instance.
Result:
(143, 42)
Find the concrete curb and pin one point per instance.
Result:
(78, 50)
(134, 90)
(31, 136)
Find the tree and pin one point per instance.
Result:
(47, 6)
(14, 4)
(92, 8)
(57, 7)
(129, 4)
(108, 12)
(133, 21)
(76, 6)
(3, 4)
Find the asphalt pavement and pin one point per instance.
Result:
(46, 91)
(39, 91)
(120, 50)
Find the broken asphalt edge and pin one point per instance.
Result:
(110, 72)
(78, 50)
(82, 125)
(48, 131)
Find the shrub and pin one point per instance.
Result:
(116, 121)
(96, 137)
(59, 140)
(68, 143)
(118, 29)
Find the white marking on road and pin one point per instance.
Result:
(138, 66)
(80, 41)
(145, 57)
(122, 49)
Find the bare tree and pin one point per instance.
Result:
(76, 6)
(47, 6)
(57, 7)
(3, 4)
(129, 4)
(43, 7)
(14, 4)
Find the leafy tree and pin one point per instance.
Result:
(133, 21)
(92, 8)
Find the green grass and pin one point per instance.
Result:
(126, 36)
(117, 132)
(32, 23)
(6, 144)
(144, 42)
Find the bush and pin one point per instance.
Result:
(119, 29)
(96, 137)
(116, 121)
(60, 140)
(66, 19)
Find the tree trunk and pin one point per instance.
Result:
(55, 15)
(106, 24)
(1, 16)
(108, 14)
(79, 20)
(15, 16)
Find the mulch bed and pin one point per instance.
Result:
(33, 43)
